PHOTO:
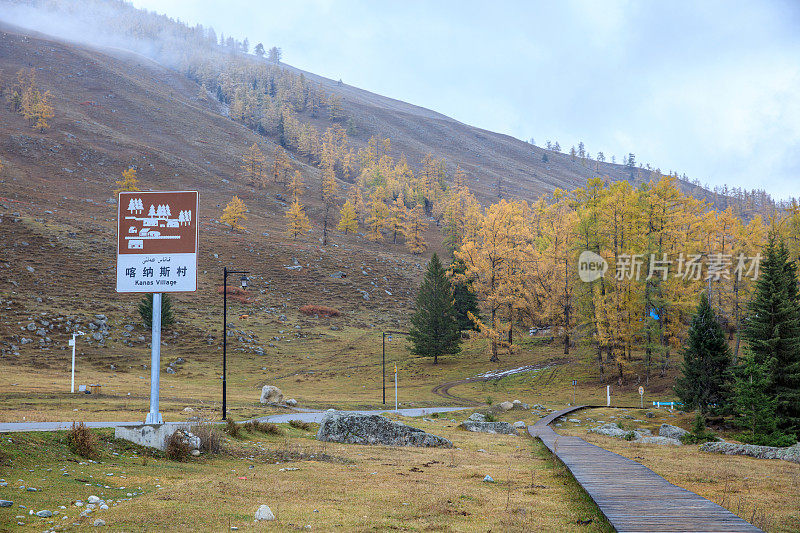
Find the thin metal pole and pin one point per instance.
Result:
(384, 368)
(154, 417)
(224, 339)
(72, 387)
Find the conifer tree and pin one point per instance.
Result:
(296, 185)
(253, 166)
(465, 301)
(43, 111)
(348, 223)
(706, 362)
(434, 328)
(146, 311)
(772, 331)
(415, 240)
(296, 219)
(128, 181)
(234, 212)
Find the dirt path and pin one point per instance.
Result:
(443, 390)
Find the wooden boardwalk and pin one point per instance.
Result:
(631, 496)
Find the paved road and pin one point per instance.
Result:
(305, 415)
(631, 496)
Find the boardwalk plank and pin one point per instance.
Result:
(632, 497)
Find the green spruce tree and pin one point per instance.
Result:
(465, 299)
(772, 333)
(434, 328)
(146, 311)
(706, 362)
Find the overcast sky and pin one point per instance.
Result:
(711, 88)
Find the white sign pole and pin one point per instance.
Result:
(154, 417)
(608, 395)
(72, 386)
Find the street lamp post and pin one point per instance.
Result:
(389, 335)
(244, 280)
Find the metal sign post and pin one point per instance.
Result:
(574, 386)
(641, 397)
(73, 343)
(608, 395)
(157, 253)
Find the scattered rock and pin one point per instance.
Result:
(264, 513)
(792, 453)
(291, 402)
(574, 420)
(506, 406)
(488, 427)
(613, 430)
(271, 394)
(44, 513)
(650, 414)
(30, 269)
(671, 432)
(170, 370)
(352, 428)
(338, 274)
(519, 424)
(99, 522)
(664, 441)
(6, 503)
(195, 453)
(477, 417)
(93, 499)
(488, 479)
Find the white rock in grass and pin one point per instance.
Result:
(519, 424)
(93, 499)
(506, 406)
(264, 513)
(488, 479)
(99, 522)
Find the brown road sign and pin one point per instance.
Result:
(157, 241)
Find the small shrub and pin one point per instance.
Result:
(488, 400)
(629, 436)
(777, 439)
(490, 417)
(235, 293)
(619, 425)
(231, 427)
(249, 426)
(268, 428)
(299, 424)
(699, 433)
(210, 437)
(82, 441)
(320, 310)
(177, 448)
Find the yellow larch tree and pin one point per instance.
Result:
(376, 217)
(253, 166)
(234, 213)
(414, 231)
(296, 185)
(329, 190)
(43, 111)
(296, 219)
(348, 223)
(280, 165)
(129, 182)
(397, 218)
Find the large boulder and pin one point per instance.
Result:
(671, 432)
(353, 428)
(271, 394)
(613, 430)
(663, 441)
(506, 406)
(477, 417)
(264, 513)
(489, 427)
(792, 453)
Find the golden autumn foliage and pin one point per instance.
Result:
(234, 213)
(129, 182)
(414, 231)
(254, 166)
(348, 223)
(296, 220)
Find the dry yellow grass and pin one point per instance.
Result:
(364, 488)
